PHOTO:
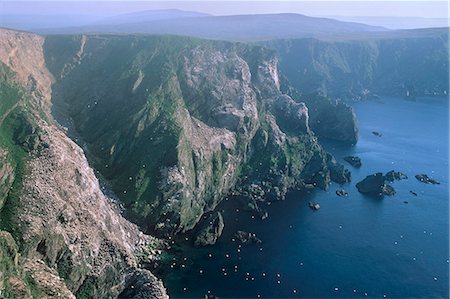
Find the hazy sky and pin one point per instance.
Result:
(430, 9)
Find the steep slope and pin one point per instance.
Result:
(175, 124)
(60, 236)
(407, 63)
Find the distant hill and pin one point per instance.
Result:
(235, 28)
(30, 22)
(40, 22)
(396, 22)
(149, 15)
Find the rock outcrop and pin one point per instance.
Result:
(172, 124)
(209, 229)
(353, 161)
(341, 192)
(180, 123)
(332, 120)
(338, 173)
(375, 184)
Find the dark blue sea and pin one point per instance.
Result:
(353, 246)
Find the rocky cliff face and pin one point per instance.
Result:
(176, 123)
(362, 67)
(172, 124)
(60, 236)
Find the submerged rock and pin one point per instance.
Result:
(375, 184)
(426, 179)
(378, 134)
(210, 229)
(395, 175)
(353, 161)
(247, 238)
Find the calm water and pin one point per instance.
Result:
(354, 246)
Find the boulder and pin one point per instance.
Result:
(426, 179)
(375, 184)
(341, 192)
(247, 238)
(314, 206)
(209, 229)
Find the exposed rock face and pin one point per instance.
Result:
(361, 69)
(209, 229)
(6, 176)
(375, 184)
(142, 285)
(332, 120)
(60, 236)
(22, 54)
(70, 221)
(338, 173)
(293, 114)
(180, 122)
(329, 119)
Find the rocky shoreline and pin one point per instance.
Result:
(252, 141)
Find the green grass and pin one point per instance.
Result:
(17, 137)
(16, 157)
(10, 93)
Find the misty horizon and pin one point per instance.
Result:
(32, 15)
(421, 9)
